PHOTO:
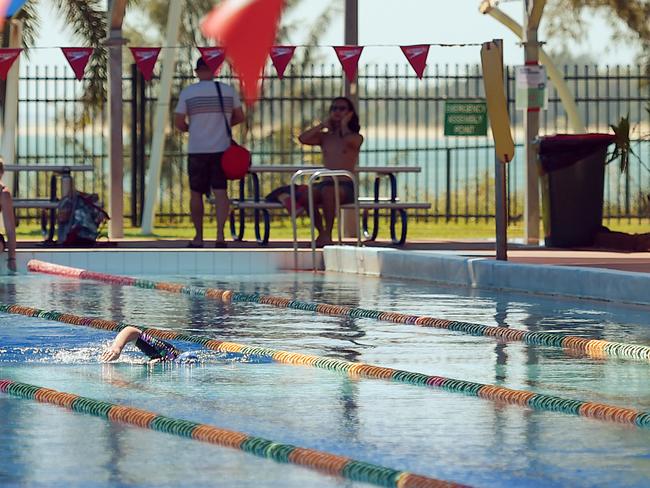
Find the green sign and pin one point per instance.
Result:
(465, 118)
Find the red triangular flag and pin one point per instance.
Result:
(78, 58)
(246, 29)
(7, 57)
(349, 58)
(281, 57)
(417, 56)
(145, 59)
(213, 57)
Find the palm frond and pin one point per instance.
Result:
(88, 20)
(31, 24)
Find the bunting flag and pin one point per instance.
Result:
(417, 57)
(7, 57)
(78, 58)
(246, 29)
(145, 59)
(281, 57)
(213, 57)
(349, 58)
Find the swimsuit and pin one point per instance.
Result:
(155, 348)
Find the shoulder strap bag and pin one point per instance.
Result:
(236, 160)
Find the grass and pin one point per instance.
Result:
(281, 230)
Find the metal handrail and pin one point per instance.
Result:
(313, 175)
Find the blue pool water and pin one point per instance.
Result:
(432, 432)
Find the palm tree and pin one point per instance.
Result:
(88, 21)
(563, 17)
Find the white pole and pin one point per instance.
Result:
(11, 102)
(531, 131)
(161, 117)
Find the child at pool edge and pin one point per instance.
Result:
(157, 350)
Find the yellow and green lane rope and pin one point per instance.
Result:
(321, 461)
(595, 348)
(522, 398)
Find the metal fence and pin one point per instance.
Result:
(401, 118)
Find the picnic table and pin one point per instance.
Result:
(375, 203)
(63, 171)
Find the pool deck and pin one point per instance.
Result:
(582, 273)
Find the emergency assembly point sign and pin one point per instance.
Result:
(465, 118)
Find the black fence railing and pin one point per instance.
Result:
(401, 118)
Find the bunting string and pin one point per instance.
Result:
(146, 57)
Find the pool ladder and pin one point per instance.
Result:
(312, 175)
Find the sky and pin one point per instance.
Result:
(395, 22)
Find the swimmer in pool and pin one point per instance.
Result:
(157, 350)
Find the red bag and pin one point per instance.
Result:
(235, 161)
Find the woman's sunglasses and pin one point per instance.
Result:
(338, 108)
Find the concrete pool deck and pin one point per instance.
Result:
(616, 276)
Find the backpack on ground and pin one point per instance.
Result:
(80, 218)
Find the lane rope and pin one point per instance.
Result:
(594, 348)
(536, 401)
(321, 461)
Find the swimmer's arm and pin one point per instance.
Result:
(126, 335)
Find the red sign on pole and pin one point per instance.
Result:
(145, 59)
(213, 57)
(417, 57)
(281, 57)
(78, 58)
(349, 58)
(7, 57)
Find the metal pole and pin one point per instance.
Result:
(162, 113)
(500, 175)
(448, 194)
(350, 220)
(531, 131)
(134, 145)
(116, 146)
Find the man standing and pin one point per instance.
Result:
(201, 113)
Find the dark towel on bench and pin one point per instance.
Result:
(283, 195)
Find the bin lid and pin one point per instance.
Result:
(562, 150)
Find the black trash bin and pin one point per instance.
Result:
(572, 171)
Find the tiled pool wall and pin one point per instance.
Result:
(439, 267)
(170, 261)
(473, 272)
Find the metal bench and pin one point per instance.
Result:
(367, 205)
(51, 204)
(261, 209)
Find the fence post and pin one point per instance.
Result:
(134, 145)
(448, 192)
